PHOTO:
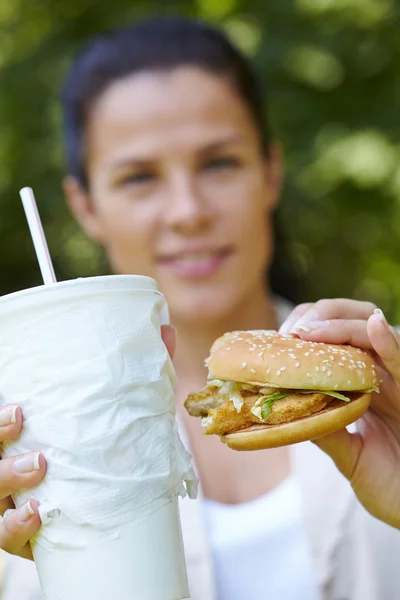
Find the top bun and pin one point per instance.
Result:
(268, 358)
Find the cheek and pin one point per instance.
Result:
(128, 236)
(250, 214)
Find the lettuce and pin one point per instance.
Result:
(337, 395)
(267, 405)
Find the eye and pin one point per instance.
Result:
(221, 163)
(138, 178)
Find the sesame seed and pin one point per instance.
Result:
(317, 369)
(323, 368)
(308, 374)
(349, 382)
(329, 373)
(307, 354)
(228, 349)
(273, 355)
(332, 357)
(268, 371)
(341, 364)
(260, 353)
(278, 373)
(252, 370)
(244, 365)
(344, 358)
(278, 353)
(283, 368)
(336, 386)
(297, 364)
(292, 355)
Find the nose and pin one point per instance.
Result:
(187, 211)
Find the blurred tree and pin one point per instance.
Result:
(332, 71)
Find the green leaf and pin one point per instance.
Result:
(267, 405)
(337, 395)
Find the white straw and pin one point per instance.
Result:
(38, 237)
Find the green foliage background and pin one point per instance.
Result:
(332, 70)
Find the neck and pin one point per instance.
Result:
(195, 339)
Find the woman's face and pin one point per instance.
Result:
(179, 189)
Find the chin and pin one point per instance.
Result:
(203, 306)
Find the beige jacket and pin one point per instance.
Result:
(356, 557)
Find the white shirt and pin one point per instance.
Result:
(260, 548)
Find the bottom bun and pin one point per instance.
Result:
(335, 417)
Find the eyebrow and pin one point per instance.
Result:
(144, 162)
(232, 139)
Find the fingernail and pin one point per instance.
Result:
(8, 512)
(380, 314)
(8, 416)
(25, 512)
(311, 326)
(27, 463)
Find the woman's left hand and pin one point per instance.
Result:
(369, 458)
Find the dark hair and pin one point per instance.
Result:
(158, 44)
(154, 44)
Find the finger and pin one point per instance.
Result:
(337, 331)
(18, 528)
(168, 334)
(10, 422)
(6, 504)
(335, 308)
(344, 448)
(294, 317)
(23, 471)
(385, 342)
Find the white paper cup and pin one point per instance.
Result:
(145, 562)
(85, 362)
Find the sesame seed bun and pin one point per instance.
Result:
(334, 417)
(269, 358)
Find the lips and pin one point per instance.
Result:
(201, 264)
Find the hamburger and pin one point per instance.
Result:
(266, 390)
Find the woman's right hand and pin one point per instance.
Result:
(23, 471)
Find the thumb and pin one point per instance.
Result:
(344, 448)
(385, 342)
(168, 334)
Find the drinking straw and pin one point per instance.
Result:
(37, 234)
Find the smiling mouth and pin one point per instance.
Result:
(197, 264)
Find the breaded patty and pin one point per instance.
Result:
(221, 416)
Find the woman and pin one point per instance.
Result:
(171, 170)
